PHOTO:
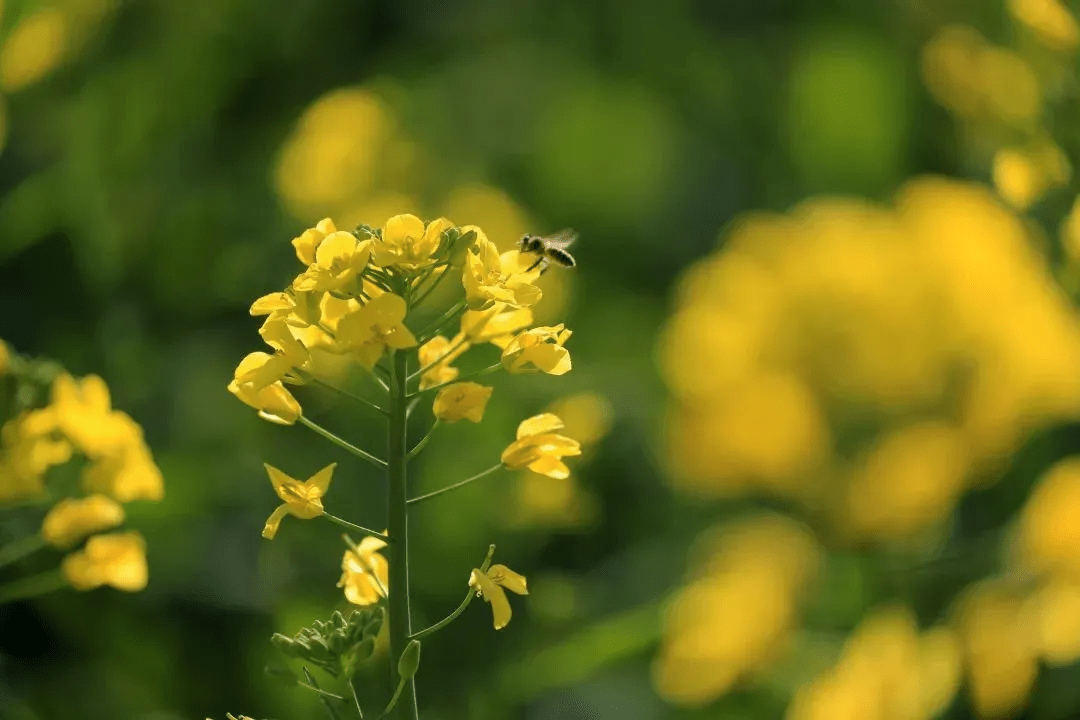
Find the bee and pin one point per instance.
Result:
(549, 249)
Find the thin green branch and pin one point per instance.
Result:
(432, 330)
(456, 485)
(353, 526)
(322, 696)
(431, 288)
(17, 550)
(33, 586)
(469, 595)
(342, 443)
(351, 396)
(434, 363)
(356, 698)
(320, 691)
(423, 441)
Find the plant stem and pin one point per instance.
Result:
(469, 595)
(32, 586)
(423, 441)
(460, 378)
(456, 485)
(433, 329)
(17, 550)
(351, 396)
(398, 530)
(322, 696)
(341, 443)
(353, 526)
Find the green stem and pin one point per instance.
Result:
(341, 443)
(319, 691)
(431, 288)
(423, 441)
(469, 595)
(434, 363)
(398, 530)
(32, 586)
(356, 699)
(17, 550)
(456, 485)
(433, 329)
(346, 393)
(467, 376)
(353, 526)
(322, 696)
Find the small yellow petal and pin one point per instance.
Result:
(543, 423)
(272, 522)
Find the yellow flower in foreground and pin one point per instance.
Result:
(302, 499)
(462, 401)
(487, 282)
(540, 448)
(116, 559)
(434, 349)
(375, 326)
(407, 244)
(272, 400)
(496, 325)
(538, 349)
(364, 573)
(491, 584)
(308, 241)
(339, 258)
(72, 519)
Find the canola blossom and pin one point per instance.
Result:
(412, 311)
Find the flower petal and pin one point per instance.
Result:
(537, 424)
(320, 481)
(272, 522)
(512, 581)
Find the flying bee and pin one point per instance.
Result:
(549, 249)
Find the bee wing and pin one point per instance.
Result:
(562, 239)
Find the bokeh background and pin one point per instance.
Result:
(826, 350)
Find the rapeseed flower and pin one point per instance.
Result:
(490, 585)
(373, 327)
(406, 243)
(308, 241)
(461, 401)
(486, 281)
(438, 353)
(364, 572)
(339, 258)
(251, 383)
(72, 519)
(539, 448)
(115, 559)
(301, 499)
(540, 349)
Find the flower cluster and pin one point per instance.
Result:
(79, 421)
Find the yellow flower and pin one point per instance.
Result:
(496, 325)
(540, 448)
(461, 401)
(116, 559)
(127, 474)
(5, 358)
(251, 383)
(435, 348)
(72, 519)
(83, 412)
(487, 282)
(407, 244)
(375, 326)
(491, 584)
(308, 241)
(302, 499)
(364, 573)
(339, 258)
(541, 348)
(297, 308)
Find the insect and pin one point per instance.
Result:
(549, 249)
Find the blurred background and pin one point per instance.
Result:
(826, 345)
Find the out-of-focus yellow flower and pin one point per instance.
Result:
(1023, 175)
(540, 502)
(587, 416)
(33, 49)
(72, 519)
(115, 559)
(540, 448)
(1000, 649)
(491, 209)
(490, 585)
(1053, 609)
(308, 241)
(736, 616)
(301, 499)
(29, 446)
(83, 412)
(887, 671)
(339, 258)
(540, 349)
(1048, 533)
(272, 400)
(496, 325)
(1070, 233)
(909, 480)
(5, 358)
(373, 327)
(461, 401)
(407, 243)
(487, 282)
(128, 474)
(1050, 20)
(364, 573)
(434, 349)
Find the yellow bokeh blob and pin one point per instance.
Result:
(35, 47)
